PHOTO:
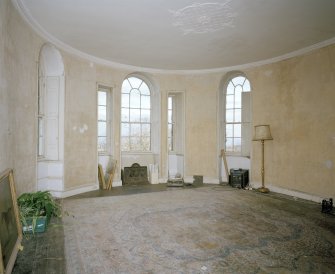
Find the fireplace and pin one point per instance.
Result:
(135, 175)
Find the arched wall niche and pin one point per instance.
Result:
(51, 89)
(50, 61)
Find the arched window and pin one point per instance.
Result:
(237, 116)
(135, 115)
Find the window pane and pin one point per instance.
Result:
(145, 102)
(229, 130)
(170, 130)
(146, 130)
(125, 100)
(229, 144)
(237, 144)
(40, 146)
(237, 116)
(135, 143)
(238, 96)
(102, 144)
(230, 101)
(102, 98)
(136, 111)
(146, 143)
(125, 146)
(40, 126)
(135, 99)
(246, 86)
(124, 129)
(238, 80)
(170, 116)
(230, 116)
(170, 102)
(102, 126)
(145, 115)
(144, 89)
(135, 115)
(126, 88)
(102, 113)
(134, 82)
(170, 144)
(135, 130)
(237, 130)
(230, 88)
(125, 115)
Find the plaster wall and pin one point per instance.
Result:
(19, 54)
(200, 121)
(6, 158)
(80, 145)
(297, 98)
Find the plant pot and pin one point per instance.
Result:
(39, 226)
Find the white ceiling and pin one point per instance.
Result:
(182, 34)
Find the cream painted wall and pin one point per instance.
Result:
(201, 122)
(19, 54)
(296, 97)
(6, 158)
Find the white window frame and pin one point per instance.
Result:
(244, 120)
(171, 123)
(108, 120)
(40, 119)
(126, 107)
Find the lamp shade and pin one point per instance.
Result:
(262, 132)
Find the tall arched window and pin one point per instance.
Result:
(237, 116)
(135, 115)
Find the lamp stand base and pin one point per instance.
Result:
(263, 190)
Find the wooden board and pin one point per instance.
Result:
(10, 225)
(110, 175)
(101, 177)
(223, 156)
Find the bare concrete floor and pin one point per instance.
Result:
(44, 253)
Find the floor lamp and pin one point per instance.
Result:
(262, 133)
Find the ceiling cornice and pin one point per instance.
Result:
(24, 12)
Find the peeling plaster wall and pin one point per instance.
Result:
(80, 145)
(19, 53)
(297, 98)
(200, 121)
(6, 158)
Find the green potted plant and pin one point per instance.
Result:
(36, 209)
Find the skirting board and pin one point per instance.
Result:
(292, 193)
(117, 183)
(207, 180)
(74, 191)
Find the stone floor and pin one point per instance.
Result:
(44, 253)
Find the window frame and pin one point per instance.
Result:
(140, 123)
(41, 119)
(109, 118)
(172, 123)
(235, 122)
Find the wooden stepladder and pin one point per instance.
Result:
(223, 156)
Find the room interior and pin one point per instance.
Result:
(186, 53)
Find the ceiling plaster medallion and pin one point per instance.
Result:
(203, 18)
